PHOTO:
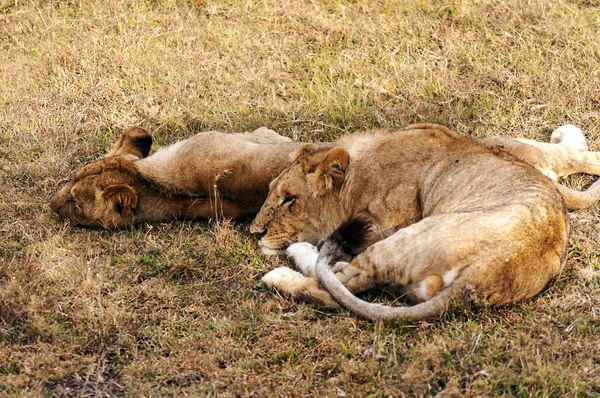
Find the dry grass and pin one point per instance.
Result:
(178, 308)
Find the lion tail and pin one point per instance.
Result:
(350, 238)
(575, 199)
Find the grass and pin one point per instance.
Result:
(178, 308)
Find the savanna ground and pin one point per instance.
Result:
(178, 308)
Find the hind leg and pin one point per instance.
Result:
(556, 160)
(507, 254)
(476, 248)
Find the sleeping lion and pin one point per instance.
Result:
(208, 175)
(214, 174)
(424, 209)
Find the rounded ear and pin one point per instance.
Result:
(121, 198)
(303, 150)
(134, 141)
(330, 173)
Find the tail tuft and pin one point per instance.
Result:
(353, 236)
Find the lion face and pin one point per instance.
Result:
(101, 194)
(302, 204)
(91, 199)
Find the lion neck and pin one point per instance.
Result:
(332, 215)
(156, 206)
(159, 202)
(201, 184)
(384, 199)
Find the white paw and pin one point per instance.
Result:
(280, 276)
(304, 255)
(570, 136)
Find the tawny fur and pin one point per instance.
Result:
(567, 154)
(209, 175)
(214, 174)
(455, 214)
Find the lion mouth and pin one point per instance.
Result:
(271, 249)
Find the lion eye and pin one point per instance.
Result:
(288, 199)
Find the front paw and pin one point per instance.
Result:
(304, 256)
(281, 278)
(294, 284)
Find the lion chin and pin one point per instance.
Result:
(444, 215)
(270, 252)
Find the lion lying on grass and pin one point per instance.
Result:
(438, 212)
(214, 174)
(209, 175)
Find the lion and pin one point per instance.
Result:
(209, 175)
(174, 183)
(440, 212)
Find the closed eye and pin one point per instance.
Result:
(287, 200)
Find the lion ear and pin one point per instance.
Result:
(303, 150)
(121, 198)
(134, 141)
(330, 173)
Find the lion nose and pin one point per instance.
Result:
(258, 232)
(57, 202)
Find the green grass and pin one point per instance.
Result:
(178, 309)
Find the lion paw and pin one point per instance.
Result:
(304, 256)
(294, 284)
(570, 136)
(282, 278)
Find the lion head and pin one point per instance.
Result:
(102, 194)
(303, 200)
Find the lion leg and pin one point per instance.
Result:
(304, 256)
(575, 199)
(586, 162)
(463, 248)
(566, 161)
(377, 267)
(295, 284)
(556, 160)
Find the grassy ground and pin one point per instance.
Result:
(179, 308)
